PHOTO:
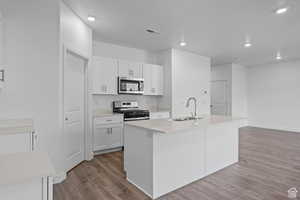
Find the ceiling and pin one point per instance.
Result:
(214, 28)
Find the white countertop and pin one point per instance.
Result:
(104, 113)
(16, 126)
(21, 167)
(169, 125)
(159, 111)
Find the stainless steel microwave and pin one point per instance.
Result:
(130, 85)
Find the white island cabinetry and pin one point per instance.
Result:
(163, 155)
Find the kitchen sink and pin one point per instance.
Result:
(187, 118)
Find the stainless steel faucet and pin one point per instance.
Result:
(195, 103)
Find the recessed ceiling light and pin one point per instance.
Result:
(247, 44)
(91, 18)
(182, 43)
(281, 10)
(278, 56)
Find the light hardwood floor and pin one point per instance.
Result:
(269, 165)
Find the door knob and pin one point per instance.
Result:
(66, 119)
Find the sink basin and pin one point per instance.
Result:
(187, 118)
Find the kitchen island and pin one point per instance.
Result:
(163, 155)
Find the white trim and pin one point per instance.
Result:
(50, 187)
(66, 49)
(44, 188)
(107, 151)
(139, 188)
(58, 178)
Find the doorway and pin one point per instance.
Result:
(219, 97)
(74, 108)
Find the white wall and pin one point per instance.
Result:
(33, 55)
(274, 96)
(186, 75)
(124, 53)
(104, 102)
(239, 98)
(32, 72)
(1, 41)
(191, 78)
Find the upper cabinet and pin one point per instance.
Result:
(1, 53)
(130, 69)
(153, 79)
(105, 75)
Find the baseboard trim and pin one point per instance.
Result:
(108, 151)
(272, 129)
(139, 188)
(60, 177)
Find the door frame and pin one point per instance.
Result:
(85, 57)
(226, 95)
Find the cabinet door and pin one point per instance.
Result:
(157, 80)
(105, 72)
(116, 137)
(31, 189)
(130, 69)
(1, 52)
(15, 143)
(147, 75)
(101, 139)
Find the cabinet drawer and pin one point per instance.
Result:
(108, 120)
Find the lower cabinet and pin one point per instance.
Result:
(16, 143)
(36, 189)
(108, 135)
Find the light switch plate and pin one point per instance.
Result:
(2, 75)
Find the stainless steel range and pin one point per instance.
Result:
(131, 110)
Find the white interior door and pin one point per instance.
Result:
(219, 97)
(74, 89)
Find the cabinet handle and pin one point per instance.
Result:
(108, 130)
(33, 140)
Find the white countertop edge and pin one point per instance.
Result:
(16, 126)
(189, 126)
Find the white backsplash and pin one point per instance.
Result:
(104, 102)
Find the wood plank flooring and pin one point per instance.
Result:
(269, 165)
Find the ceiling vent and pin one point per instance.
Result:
(152, 31)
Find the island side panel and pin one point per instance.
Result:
(222, 145)
(138, 158)
(178, 160)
